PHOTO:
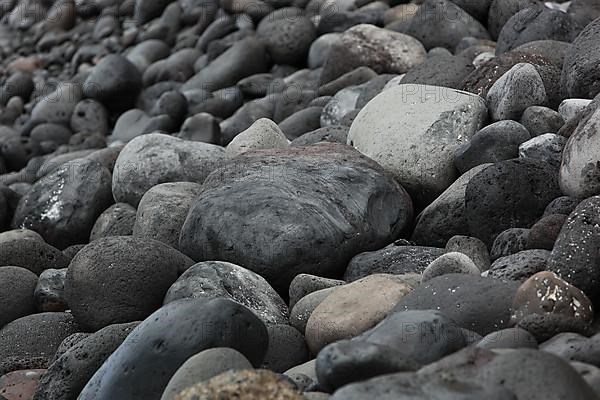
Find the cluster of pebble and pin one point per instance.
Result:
(299, 199)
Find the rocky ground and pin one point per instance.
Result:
(299, 199)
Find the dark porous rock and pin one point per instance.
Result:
(576, 254)
(288, 39)
(574, 347)
(580, 77)
(31, 341)
(218, 279)
(543, 234)
(63, 205)
(204, 366)
(444, 70)
(258, 384)
(16, 298)
(371, 217)
(68, 374)
(553, 50)
(539, 120)
(348, 361)
(287, 348)
(392, 259)
(452, 24)
(536, 23)
(143, 365)
(502, 10)
(156, 158)
(69, 342)
(246, 57)
(445, 216)
(480, 304)
(305, 284)
(545, 326)
(382, 50)
(509, 338)
(519, 266)
(116, 220)
(561, 205)
(510, 241)
(49, 292)
(115, 82)
(34, 255)
(162, 211)
(120, 279)
(483, 78)
(496, 142)
(508, 193)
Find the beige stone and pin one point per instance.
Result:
(354, 308)
(246, 384)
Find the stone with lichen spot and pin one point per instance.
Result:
(576, 253)
(247, 385)
(545, 293)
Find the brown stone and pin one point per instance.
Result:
(543, 233)
(483, 78)
(245, 384)
(354, 308)
(25, 64)
(20, 385)
(546, 293)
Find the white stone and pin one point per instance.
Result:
(580, 169)
(519, 88)
(413, 132)
(262, 134)
(571, 107)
